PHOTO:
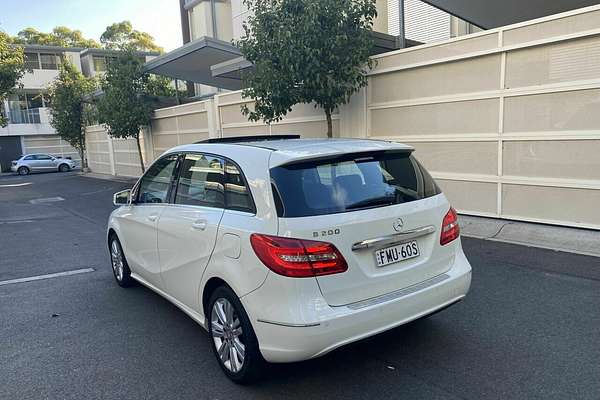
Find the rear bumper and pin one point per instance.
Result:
(315, 328)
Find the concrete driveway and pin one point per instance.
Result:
(530, 328)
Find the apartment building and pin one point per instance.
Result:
(29, 129)
(27, 110)
(94, 61)
(422, 23)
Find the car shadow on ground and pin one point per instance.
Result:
(382, 356)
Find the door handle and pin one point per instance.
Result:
(152, 218)
(199, 225)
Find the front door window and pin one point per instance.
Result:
(154, 186)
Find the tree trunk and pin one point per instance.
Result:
(82, 154)
(137, 140)
(329, 123)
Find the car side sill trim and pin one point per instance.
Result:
(394, 238)
(287, 324)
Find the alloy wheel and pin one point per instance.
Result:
(227, 335)
(116, 256)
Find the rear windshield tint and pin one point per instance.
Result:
(349, 183)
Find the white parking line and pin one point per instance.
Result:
(23, 221)
(46, 200)
(16, 184)
(48, 276)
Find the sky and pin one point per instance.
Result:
(160, 18)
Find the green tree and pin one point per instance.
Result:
(60, 36)
(125, 108)
(305, 51)
(11, 69)
(68, 111)
(121, 35)
(72, 38)
(162, 86)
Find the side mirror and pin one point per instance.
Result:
(121, 198)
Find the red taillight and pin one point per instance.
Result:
(298, 258)
(450, 228)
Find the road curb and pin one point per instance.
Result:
(107, 177)
(558, 238)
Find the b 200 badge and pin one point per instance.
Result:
(329, 232)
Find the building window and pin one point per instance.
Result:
(99, 63)
(24, 108)
(423, 23)
(49, 60)
(32, 61)
(34, 100)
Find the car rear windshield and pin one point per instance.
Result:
(350, 182)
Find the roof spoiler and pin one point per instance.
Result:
(247, 139)
(359, 155)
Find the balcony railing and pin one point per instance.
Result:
(30, 116)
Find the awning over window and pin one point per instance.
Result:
(489, 14)
(217, 63)
(192, 62)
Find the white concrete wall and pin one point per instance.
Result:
(50, 144)
(106, 155)
(506, 120)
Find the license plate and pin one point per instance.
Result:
(394, 254)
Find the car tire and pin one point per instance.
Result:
(228, 328)
(120, 268)
(63, 168)
(23, 171)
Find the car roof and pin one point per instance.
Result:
(283, 151)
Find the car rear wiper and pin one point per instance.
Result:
(376, 201)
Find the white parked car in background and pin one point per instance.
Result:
(29, 163)
(285, 249)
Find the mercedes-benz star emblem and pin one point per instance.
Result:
(398, 224)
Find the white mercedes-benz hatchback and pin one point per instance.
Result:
(284, 248)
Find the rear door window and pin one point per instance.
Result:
(201, 181)
(237, 193)
(349, 183)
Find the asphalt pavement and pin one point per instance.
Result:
(529, 329)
